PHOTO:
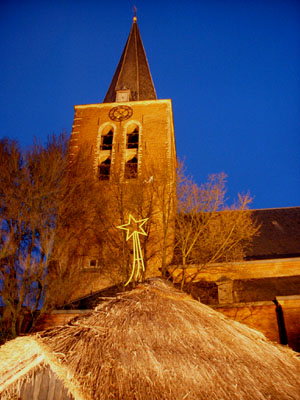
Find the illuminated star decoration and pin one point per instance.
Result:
(134, 229)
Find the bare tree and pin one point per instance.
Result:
(207, 229)
(124, 197)
(26, 192)
(80, 205)
(43, 194)
(163, 187)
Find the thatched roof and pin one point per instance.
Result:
(30, 371)
(157, 343)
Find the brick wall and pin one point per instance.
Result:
(260, 316)
(156, 152)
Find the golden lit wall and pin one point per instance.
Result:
(156, 152)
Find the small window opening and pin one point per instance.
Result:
(92, 264)
(133, 139)
(104, 170)
(106, 141)
(131, 167)
(122, 95)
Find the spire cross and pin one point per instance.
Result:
(134, 13)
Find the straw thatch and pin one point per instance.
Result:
(29, 371)
(157, 343)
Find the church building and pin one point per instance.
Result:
(131, 137)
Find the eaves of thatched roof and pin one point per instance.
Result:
(155, 342)
(28, 370)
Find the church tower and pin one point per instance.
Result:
(131, 134)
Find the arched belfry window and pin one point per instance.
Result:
(105, 151)
(133, 145)
(131, 168)
(132, 137)
(107, 138)
(104, 170)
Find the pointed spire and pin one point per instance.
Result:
(133, 71)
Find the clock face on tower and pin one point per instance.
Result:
(120, 113)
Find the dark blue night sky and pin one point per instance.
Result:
(231, 68)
